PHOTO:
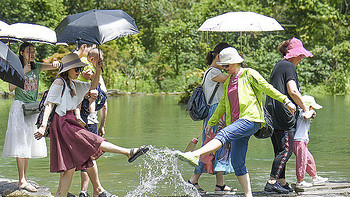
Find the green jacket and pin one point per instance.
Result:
(250, 86)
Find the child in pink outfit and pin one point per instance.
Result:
(304, 159)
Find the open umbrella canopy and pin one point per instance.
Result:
(95, 27)
(28, 33)
(239, 22)
(11, 69)
(3, 25)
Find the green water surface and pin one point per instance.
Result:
(158, 120)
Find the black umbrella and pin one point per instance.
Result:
(95, 27)
(11, 69)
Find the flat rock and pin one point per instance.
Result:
(9, 187)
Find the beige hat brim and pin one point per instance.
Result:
(74, 65)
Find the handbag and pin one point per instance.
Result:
(197, 105)
(267, 130)
(31, 108)
(40, 118)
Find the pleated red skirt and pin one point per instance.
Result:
(71, 145)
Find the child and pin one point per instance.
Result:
(304, 159)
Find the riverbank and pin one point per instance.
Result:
(9, 187)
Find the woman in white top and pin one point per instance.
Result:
(222, 164)
(72, 147)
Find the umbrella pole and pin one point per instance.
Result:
(207, 37)
(241, 41)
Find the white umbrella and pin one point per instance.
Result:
(3, 25)
(29, 33)
(239, 22)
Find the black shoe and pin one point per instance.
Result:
(276, 187)
(83, 194)
(286, 186)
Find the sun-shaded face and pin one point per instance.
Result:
(230, 68)
(29, 54)
(74, 72)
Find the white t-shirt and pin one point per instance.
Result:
(303, 127)
(67, 102)
(209, 85)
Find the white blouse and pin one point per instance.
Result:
(209, 85)
(66, 102)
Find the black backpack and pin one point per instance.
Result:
(197, 105)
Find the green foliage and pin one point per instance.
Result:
(169, 53)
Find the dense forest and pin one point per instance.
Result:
(169, 53)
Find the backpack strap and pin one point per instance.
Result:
(216, 87)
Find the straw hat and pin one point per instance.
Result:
(70, 61)
(310, 101)
(229, 55)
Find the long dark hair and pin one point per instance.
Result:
(64, 76)
(21, 49)
(283, 47)
(218, 48)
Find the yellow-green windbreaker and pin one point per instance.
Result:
(250, 86)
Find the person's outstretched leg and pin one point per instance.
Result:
(209, 147)
(112, 148)
(65, 182)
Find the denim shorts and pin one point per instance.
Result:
(238, 134)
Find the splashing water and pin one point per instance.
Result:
(160, 175)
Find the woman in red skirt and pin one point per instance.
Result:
(72, 147)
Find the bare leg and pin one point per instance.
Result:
(109, 147)
(84, 177)
(93, 175)
(65, 182)
(195, 178)
(22, 164)
(245, 183)
(220, 178)
(209, 147)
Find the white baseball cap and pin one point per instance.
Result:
(310, 101)
(229, 55)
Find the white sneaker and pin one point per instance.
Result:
(92, 119)
(319, 180)
(303, 184)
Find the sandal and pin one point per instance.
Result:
(224, 190)
(106, 194)
(199, 189)
(29, 187)
(142, 150)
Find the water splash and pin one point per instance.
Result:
(160, 176)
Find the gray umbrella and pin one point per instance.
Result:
(11, 69)
(95, 27)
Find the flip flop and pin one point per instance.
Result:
(106, 194)
(142, 150)
(29, 187)
(187, 157)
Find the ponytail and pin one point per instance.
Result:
(283, 47)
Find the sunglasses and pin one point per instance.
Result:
(225, 66)
(79, 69)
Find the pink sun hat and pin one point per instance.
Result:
(296, 48)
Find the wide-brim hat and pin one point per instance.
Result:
(310, 101)
(229, 55)
(70, 61)
(296, 48)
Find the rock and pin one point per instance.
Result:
(9, 187)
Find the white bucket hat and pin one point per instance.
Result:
(229, 55)
(310, 101)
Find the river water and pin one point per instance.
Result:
(159, 121)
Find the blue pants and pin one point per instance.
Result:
(238, 134)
